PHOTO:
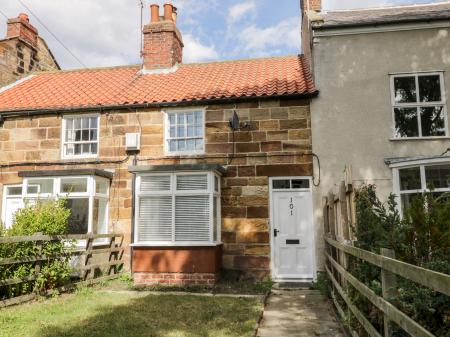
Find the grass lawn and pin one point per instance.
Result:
(93, 313)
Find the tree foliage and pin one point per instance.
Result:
(46, 217)
(421, 238)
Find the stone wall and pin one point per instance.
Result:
(274, 140)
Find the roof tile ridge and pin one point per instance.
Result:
(240, 60)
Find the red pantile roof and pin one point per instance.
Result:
(87, 88)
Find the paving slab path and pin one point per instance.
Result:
(299, 313)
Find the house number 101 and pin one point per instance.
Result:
(291, 207)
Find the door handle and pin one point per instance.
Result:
(275, 232)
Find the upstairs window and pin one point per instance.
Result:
(419, 105)
(178, 208)
(80, 136)
(185, 132)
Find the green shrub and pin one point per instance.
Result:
(421, 238)
(46, 217)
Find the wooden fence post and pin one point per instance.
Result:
(37, 265)
(112, 255)
(89, 273)
(388, 288)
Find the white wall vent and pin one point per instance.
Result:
(133, 141)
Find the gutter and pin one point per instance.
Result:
(231, 100)
(375, 23)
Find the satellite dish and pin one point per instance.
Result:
(234, 121)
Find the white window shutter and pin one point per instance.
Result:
(192, 182)
(192, 221)
(155, 183)
(155, 218)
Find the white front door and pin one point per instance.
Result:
(292, 231)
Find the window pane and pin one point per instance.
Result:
(430, 88)
(216, 183)
(155, 183)
(173, 132)
(171, 119)
(85, 123)
(69, 149)
(40, 186)
(181, 131)
(99, 217)
(94, 122)
(199, 144)
(12, 205)
(14, 190)
(70, 135)
(77, 149)
(101, 186)
(180, 119)
(192, 218)
(79, 215)
(78, 135)
(198, 118)
(432, 119)
(73, 185)
(407, 199)
(215, 219)
(300, 183)
(437, 176)
(172, 145)
(155, 218)
(93, 148)
(86, 149)
(69, 123)
(190, 145)
(93, 135)
(190, 131)
(190, 118)
(198, 131)
(192, 182)
(181, 144)
(77, 123)
(405, 89)
(281, 184)
(406, 122)
(410, 179)
(85, 135)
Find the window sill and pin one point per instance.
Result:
(175, 245)
(419, 138)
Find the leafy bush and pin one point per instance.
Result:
(48, 218)
(422, 238)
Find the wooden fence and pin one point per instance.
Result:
(111, 261)
(338, 218)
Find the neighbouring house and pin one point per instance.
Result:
(203, 166)
(384, 79)
(23, 51)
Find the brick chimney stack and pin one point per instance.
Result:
(163, 45)
(311, 5)
(21, 27)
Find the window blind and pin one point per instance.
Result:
(155, 218)
(192, 218)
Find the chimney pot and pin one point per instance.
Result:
(24, 17)
(168, 12)
(154, 13)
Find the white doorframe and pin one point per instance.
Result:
(271, 224)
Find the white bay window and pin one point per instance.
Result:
(178, 208)
(87, 199)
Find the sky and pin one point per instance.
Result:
(107, 32)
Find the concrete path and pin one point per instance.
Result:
(298, 313)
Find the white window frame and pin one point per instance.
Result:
(421, 164)
(64, 142)
(167, 132)
(210, 191)
(6, 197)
(57, 194)
(419, 104)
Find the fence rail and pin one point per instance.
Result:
(338, 219)
(112, 260)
